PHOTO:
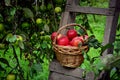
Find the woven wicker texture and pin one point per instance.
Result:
(69, 56)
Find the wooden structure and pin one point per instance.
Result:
(57, 72)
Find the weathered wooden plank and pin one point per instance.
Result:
(114, 3)
(90, 76)
(110, 32)
(67, 17)
(90, 10)
(58, 76)
(69, 2)
(56, 67)
(77, 72)
(109, 35)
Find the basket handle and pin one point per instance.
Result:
(68, 25)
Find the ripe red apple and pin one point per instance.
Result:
(63, 41)
(84, 37)
(71, 34)
(59, 36)
(54, 34)
(76, 41)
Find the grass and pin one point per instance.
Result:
(43, 75)
(98, 27)
(97, 23)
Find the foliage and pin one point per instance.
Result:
(25, 28)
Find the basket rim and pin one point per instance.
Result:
(73, 47)
(70, 50)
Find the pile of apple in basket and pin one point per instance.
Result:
(69, 47)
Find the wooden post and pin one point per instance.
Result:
(111, 25)
(68, 17)
(110, 33)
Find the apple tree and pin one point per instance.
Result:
(25, 28)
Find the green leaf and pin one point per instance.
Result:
(93, 42)
(21, 45)
(3, 60)
(44, 45)
(98, 63)
(81, 32)
(1, 19)
(12, 11)
(103, 48)
(86, 65)
(46, 28)
(1, 68)
(7, 3)
(87, 57)
(118, 26)
(28, 13)
(90, 44)
(11, 38)
(115, 62)
(37, 67)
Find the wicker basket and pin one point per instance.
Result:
(69, 56)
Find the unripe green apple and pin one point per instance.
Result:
(38, 21)
(58, 9)
(11, 77)
(19, 38)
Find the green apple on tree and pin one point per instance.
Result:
(38, 21)
(19, 38)
(11, 77)
(58, 9)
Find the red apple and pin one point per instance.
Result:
(59, 36)
(84, 37)
(76, 41)
(54, 34)
(63, 41)
(71, 33)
